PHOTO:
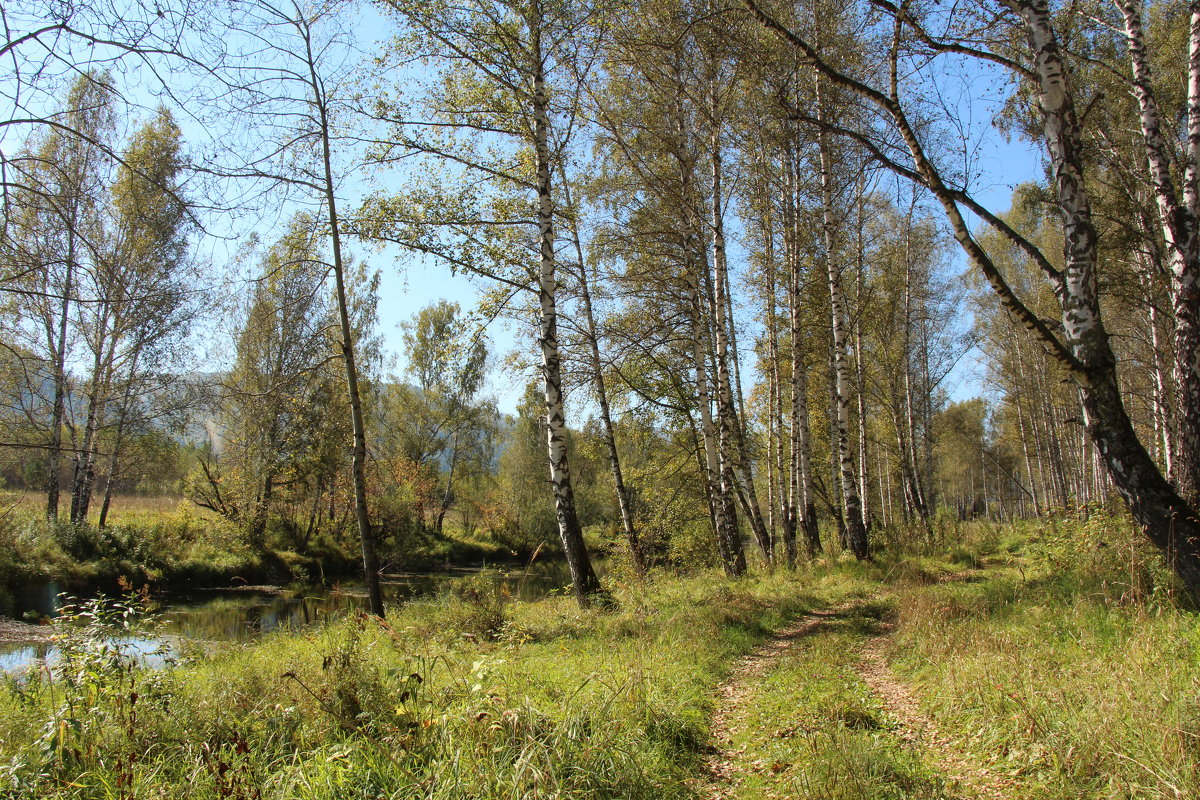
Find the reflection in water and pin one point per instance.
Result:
(244, 614)
(152, 652)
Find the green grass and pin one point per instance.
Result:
(1056, 656)
(449, 699)
(1066, 666)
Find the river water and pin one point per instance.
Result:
(244, 613)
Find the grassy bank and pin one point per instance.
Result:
(1053, 658)
(463, 697)
(175, 544)
(1066, 664)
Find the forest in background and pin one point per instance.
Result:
(732, 234)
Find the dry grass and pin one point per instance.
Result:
(122, 506)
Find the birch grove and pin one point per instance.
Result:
(759, 269)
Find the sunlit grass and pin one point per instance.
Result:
(1060, 669)
(1055, 656)
(120, 507)
(521, 700)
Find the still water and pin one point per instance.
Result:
(240, 614)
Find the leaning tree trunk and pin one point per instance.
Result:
(610, 438)
(731, 427)
(583, 576)
(358, 467)
(1084, 349)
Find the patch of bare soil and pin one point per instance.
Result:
(916, 727)
(13, 631)
(722, 767)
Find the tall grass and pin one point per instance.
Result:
(1058, 656)
(1069, 665)
(458, 697)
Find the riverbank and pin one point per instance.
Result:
(12, 630)
(1050, 662)
(185, 549)
(466, 695)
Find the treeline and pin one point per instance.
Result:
(731, 232)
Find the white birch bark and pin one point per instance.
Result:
(583, 576)
(730, 422)
(802, 504)
(1180, 231)
(856, 533)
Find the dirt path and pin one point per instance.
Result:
(722, 768)
(726, 766)
(916, 727)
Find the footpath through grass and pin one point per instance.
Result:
(1052, 660)
(811, 728)
(1050, 656)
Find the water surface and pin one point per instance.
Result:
(245, 613)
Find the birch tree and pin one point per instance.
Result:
(1179, 218)
(53, 232)
(506, 74)
(291, 70)
(1082, 345)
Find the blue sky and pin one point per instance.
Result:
(408, 285)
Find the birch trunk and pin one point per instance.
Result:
(1180, 232)
(860, 384)
(802, 504)
(1037, 504)
(1162, 406)
(856, 533)
(728, 544)
(366, 534)
(731, 426)
(118, 440)
(58, 344)
(610, 439)
(780, 517)
(1167, 517)
(1169, 521)
(583, 576)
(100, 384)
